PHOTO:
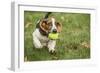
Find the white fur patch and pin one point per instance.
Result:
(53, 24)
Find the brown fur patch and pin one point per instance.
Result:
(59, 26)
(45, 26)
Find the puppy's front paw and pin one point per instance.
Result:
(53, 52)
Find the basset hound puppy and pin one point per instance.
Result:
(44, 28)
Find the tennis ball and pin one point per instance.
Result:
(53, 36)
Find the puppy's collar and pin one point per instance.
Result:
(44, 33)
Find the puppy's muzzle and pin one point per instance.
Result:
(54, 31)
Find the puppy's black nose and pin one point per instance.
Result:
(54, 31)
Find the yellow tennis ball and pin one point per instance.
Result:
(53, 36)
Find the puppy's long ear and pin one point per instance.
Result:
(43, 24)
(59, 26)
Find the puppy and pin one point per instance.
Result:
(44, 28)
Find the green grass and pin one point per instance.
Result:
(73, 42)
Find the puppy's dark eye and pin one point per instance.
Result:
(57, 24)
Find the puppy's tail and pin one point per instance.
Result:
(47, 15)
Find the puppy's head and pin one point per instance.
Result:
(50, 25)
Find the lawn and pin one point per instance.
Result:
(73, 42)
